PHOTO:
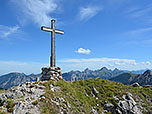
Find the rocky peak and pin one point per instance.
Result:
(104, 69)
(116, 70)
(87, 70)
(147, 73)
(22, 99)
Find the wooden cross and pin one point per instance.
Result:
(53, 31)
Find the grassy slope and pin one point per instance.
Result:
(2, 91)
(75, 93)
(124, 78)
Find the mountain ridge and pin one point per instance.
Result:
(15, 78)
(130, 78)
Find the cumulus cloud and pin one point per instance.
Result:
(37, 10)
(140, 31)
(147, 63)
(88, 12)
(5, 31)
(83, 51)
(96, 63)
(115, 60)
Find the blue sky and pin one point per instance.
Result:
(111, 33)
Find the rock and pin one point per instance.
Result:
(69, 105)
(21, 108)
(93, 111)
(123, 105)
(3, 97)
(146, 86)
(109, 107)
(23, 97)
(18, 108)
(126, 106)
(116, 99)
(51, 87)
(92, 94)
(95, 92)
(37, 78)
(135, 85)
(62, 100)
(118, 111)
(51, 73)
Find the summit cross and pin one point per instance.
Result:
(53, 31)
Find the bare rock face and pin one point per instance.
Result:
(24, 97)
(126, 106)
(95, 92)
(135, 85)
(51, 73)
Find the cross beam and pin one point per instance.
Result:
(53, 31)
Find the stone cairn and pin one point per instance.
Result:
(51, 73)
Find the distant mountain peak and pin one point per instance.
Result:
(15, 78)
(147, 72)
(130, 78)
(116, 70)
(104, 68)
(87, 69)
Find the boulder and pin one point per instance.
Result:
(95, 92)
(135, 85)
(125, 106)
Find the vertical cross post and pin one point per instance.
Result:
(52, 62)
(53, 31)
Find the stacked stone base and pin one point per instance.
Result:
(51, 73)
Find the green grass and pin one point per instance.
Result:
(79, 95)
(10, 105)
(76, 94)
(35, 102)
(2, 91)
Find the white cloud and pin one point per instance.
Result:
(88, 12)
(83, 51)
(103, 60)
(38, 10)
(74, 64)
(148, 63)
(140, 31)
(5, 31)
(96, 63)
(141, 13)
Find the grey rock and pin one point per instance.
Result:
(92, 94)
(51, 73)
(126, 106)
(118, 111)
(93, 111)
(135, 85)
(129, 105)
(108, 107)
(116, 99)
(51, 87)
(24, 96)
(95, 92)
(62, 100)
